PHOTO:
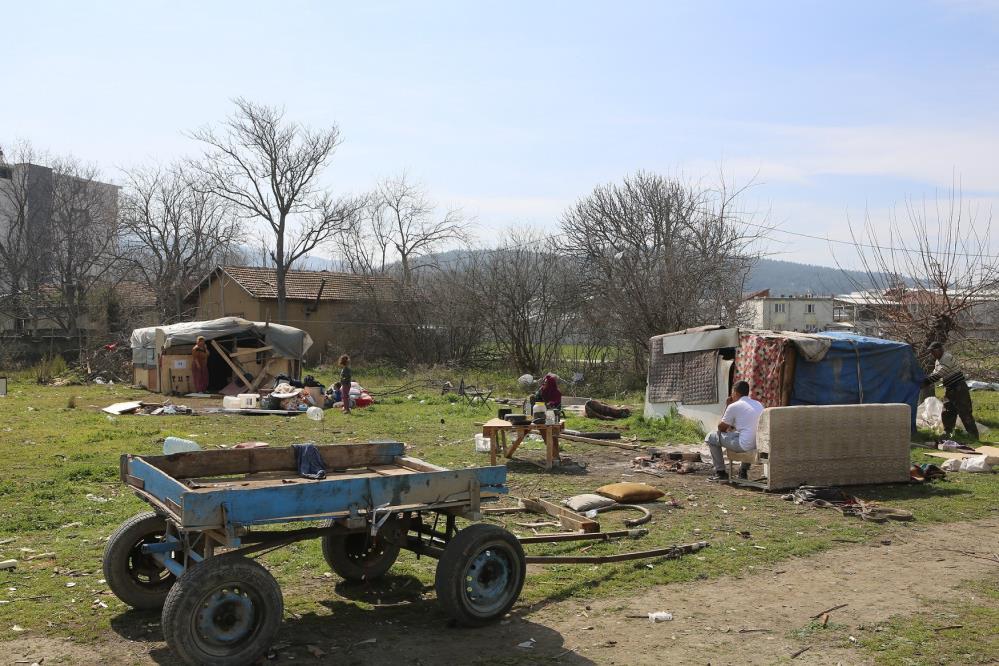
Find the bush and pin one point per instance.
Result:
(49, 368)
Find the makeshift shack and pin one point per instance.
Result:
(242, 355)
(693, 370)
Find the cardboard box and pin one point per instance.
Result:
(180, 381)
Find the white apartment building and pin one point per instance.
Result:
(806, 314)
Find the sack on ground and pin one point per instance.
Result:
(587, 502)
(629, 491)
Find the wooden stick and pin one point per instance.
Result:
(795, 655)
(601, 442)
(828, 610)
(249, 352)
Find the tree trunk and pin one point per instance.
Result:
(407, 277)
(281, 271)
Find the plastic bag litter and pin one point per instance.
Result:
(969, 464)
(930, 414)
(660, 616)
(314, 413)
(975, 464)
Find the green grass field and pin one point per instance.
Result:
(60, 498)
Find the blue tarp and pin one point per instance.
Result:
(887, 370)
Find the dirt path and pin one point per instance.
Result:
(875, 581)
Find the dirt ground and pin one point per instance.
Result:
(747, 620)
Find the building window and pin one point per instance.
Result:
(6, 173)
(779, 307)
(810, 308)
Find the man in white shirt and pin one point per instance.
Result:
(736, 430)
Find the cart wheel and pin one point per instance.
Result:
(225, 610)
(358, 556)
(134, 577)
(480, 574)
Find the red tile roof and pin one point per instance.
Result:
(261, 283)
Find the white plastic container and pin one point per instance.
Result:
(173, 445)
(482, 443)
(249, 400)
(539, 410)
(231, 402)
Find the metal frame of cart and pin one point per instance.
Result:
(189, 555)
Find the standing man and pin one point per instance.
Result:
(736, 430)
(957, 397)
(346, 377)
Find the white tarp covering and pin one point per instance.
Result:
(700, 339)
(287, 341)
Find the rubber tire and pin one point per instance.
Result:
(458, 554)
(185, 600)
(117, 556)
(335, 552)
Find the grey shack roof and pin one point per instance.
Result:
(287, 341)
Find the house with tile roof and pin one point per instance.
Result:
(317, 301)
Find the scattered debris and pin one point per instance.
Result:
(8, 564)
(528, 644)
(97, 498)
(798, 653)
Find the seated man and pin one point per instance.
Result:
(736, 430)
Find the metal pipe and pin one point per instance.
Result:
(671, 552)
(579, 536)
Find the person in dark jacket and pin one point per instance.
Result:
(957, 397)
(346, 377)
(549, 392)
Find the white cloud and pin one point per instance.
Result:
(940, 157)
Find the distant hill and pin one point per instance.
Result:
(780, 277)
(788, 277)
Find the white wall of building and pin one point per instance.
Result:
(792, 313)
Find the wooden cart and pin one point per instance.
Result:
(189, 556)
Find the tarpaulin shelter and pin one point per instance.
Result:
(243, 351)
(693, 370)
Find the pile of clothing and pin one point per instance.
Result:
(831, 497)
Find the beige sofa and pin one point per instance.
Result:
(834, 445)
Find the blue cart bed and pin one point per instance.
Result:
(237, 488)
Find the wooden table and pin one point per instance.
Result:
(496, 430)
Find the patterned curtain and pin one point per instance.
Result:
(759, 361)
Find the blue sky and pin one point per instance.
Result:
(513, 110)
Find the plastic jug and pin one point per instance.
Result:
(482, 444)
(248, 400)
(539, 412)
(173, 445)
(231, 402)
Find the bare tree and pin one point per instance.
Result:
(400, 223)
(658, 255)
(269, 168)
(931, 276)
(175, 232)
(86, 236)
(529, 298)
